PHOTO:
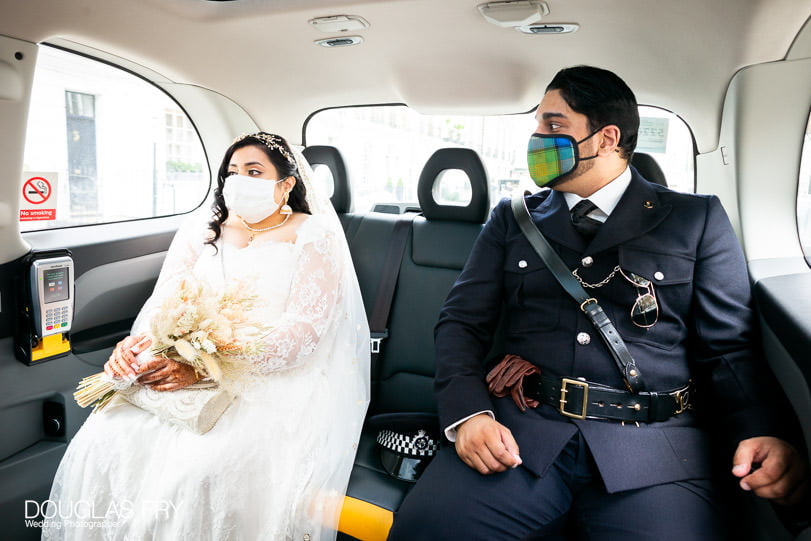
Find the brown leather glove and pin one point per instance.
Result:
(507, 378)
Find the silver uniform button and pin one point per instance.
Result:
(522, 264)
(583, 338)
(658, 275)
(587, 261)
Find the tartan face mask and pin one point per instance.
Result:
(549, 157)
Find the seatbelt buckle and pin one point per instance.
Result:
(376, 338)
(564, 382)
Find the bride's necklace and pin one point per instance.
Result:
(255, 230)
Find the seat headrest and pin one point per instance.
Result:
(648, 168)
(468, 161)
(331, 158)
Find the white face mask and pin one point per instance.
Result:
(254, 199)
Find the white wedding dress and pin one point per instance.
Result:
(276, 463)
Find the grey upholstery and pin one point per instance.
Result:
(332, 158)
(438, 246)
(454, 158)
(648, 168)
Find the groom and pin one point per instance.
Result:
(591, 456)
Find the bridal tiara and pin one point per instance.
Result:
(271, 141)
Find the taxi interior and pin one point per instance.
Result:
(392, 100)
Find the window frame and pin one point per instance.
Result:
(804, 230)
(690, 132)
(109, 63)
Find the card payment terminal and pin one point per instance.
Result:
(47, 307)
(51, 289)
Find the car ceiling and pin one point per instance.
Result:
(435, 55)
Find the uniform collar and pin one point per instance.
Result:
(606, 198)
(639, 212)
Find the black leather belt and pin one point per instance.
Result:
(582, 399)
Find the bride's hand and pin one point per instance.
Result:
(167, 375)
(119, 365)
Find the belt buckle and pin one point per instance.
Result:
(682, 397)
(563, 391)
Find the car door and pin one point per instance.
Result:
(768, 198)
(112, 163)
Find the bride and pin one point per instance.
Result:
(276, 463)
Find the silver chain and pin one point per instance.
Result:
(601, 283)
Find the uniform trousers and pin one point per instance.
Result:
(453, 501)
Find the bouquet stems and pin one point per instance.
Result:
(95, 389)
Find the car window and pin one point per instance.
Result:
(804, 195)
(386, 146)
(103, 145)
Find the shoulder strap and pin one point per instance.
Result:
(378, 320)
(619, 351)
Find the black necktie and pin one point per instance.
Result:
(582, 222)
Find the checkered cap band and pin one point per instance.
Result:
(413, 445)
(549, 157)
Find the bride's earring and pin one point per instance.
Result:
(286, 210)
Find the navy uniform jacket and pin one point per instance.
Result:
(686, 246)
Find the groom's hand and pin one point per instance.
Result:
(782, 474)
(486, 445)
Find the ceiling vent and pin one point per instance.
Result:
(514, 13)
(343, 41)
(551, 28)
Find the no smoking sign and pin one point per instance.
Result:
(38, 197)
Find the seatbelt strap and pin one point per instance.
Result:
(378, 320)
(588, 305)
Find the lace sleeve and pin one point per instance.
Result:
(184, 250)
(311, 306)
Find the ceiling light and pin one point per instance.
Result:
(550, 28)
(339, 23)
(512, 13)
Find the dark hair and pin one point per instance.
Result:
(604, 98)
(282, 159)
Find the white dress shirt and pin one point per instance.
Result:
(606, 198)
